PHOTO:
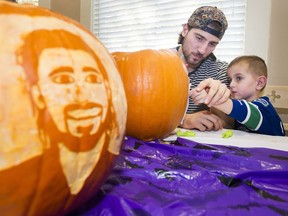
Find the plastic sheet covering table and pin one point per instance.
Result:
(188, 177)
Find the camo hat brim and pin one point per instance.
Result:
(203, 16)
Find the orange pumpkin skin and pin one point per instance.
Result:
(62, 112)
(156, 87)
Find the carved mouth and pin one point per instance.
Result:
(82, 114)
(89, 117)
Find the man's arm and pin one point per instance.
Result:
(227, 121)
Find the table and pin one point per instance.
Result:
(246, 174)
(239, 139)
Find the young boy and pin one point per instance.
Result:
(248, 75)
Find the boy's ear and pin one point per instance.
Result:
(261, 82)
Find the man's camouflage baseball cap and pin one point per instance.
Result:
(203, 16)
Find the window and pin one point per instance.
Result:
(131, 25)
(35, 2)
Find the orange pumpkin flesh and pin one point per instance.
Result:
(62, 112)
(156, 87)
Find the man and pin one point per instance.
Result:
(198, 39)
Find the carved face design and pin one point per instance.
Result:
(72, 88)
(60, 114)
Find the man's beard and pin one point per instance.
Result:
(186, 56)
(193, 64)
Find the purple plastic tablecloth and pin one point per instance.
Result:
(189, 178)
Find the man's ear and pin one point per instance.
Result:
(261, 82)
(37, 97)
(185, 29)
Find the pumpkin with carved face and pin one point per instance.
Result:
(62, 112)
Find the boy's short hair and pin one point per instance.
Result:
(256, 64)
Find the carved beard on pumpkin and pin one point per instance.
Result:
(60, 49)
(89, 137)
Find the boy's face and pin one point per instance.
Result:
(244, 84)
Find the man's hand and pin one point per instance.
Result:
(198, 97)
(202, 121)
(217, 92)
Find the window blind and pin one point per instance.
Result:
(129, 25)
(35, 2)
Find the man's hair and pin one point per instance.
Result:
(209, 19)
(256, 65)
(212, 25)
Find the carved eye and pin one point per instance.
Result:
(94, 78)
(63, 79)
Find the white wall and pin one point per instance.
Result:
(258, 28)
(266, 36)
(278, 43)
(79, 10)
(86, 13)
(45, 3)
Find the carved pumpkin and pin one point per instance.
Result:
(62, 112)
(156, 87)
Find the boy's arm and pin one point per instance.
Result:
(225, 107)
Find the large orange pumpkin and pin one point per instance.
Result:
(156, 87)
(62, 112)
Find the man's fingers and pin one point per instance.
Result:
(198, 97)
(204, 84)
(213, 122)
(203, 121)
